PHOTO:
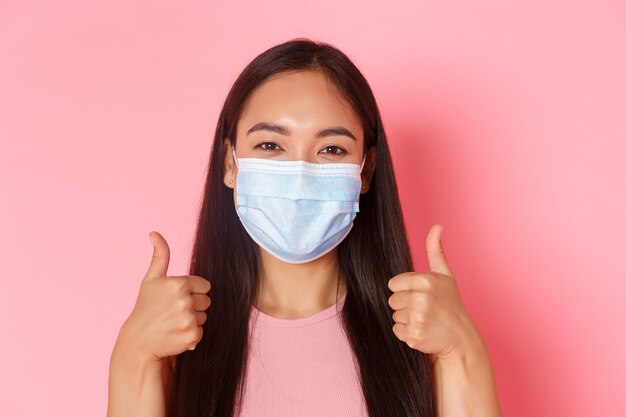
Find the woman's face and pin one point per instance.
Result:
(298, 116)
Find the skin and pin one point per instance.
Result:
(304, 102)
(429, 314)
(170, 310)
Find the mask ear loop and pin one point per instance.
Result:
(235, 156)
(363, 163)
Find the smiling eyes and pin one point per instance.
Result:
(274, 147)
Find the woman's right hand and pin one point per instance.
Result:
(169, 312)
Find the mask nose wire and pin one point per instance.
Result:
(235, 156)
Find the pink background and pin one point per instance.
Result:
(506, 123)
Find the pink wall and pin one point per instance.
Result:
(507, 124)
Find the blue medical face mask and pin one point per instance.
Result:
(297, 210)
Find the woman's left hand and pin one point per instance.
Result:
(429, 313)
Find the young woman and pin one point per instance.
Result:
(314, 307)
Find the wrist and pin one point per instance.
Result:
(127, 352)
(129, 363)
(470, 346)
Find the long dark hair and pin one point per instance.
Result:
(396, 380)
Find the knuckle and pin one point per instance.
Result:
(417, 317)
(428, 284)
(175, 283)
(415, 333)
(416, 302)
(187, 322)
(195, 335)
(184, 286)
(184, 303)
(425, 300)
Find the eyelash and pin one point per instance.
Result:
(329, 146)
(260, 146)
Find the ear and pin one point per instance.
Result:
(230, 169)
(368, 170)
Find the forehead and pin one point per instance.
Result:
(302, 99)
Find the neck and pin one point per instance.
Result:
(293, 291)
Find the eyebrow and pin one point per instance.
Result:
(273, 127)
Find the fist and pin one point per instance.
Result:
(170, 310)
(428, 312)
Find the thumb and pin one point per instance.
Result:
(160, 257)
(436, 258)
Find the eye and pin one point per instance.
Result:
(272, 146)
(335, 150)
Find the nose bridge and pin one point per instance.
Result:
(302, 150)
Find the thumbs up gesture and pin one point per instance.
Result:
(169, 312)
(428, 312)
